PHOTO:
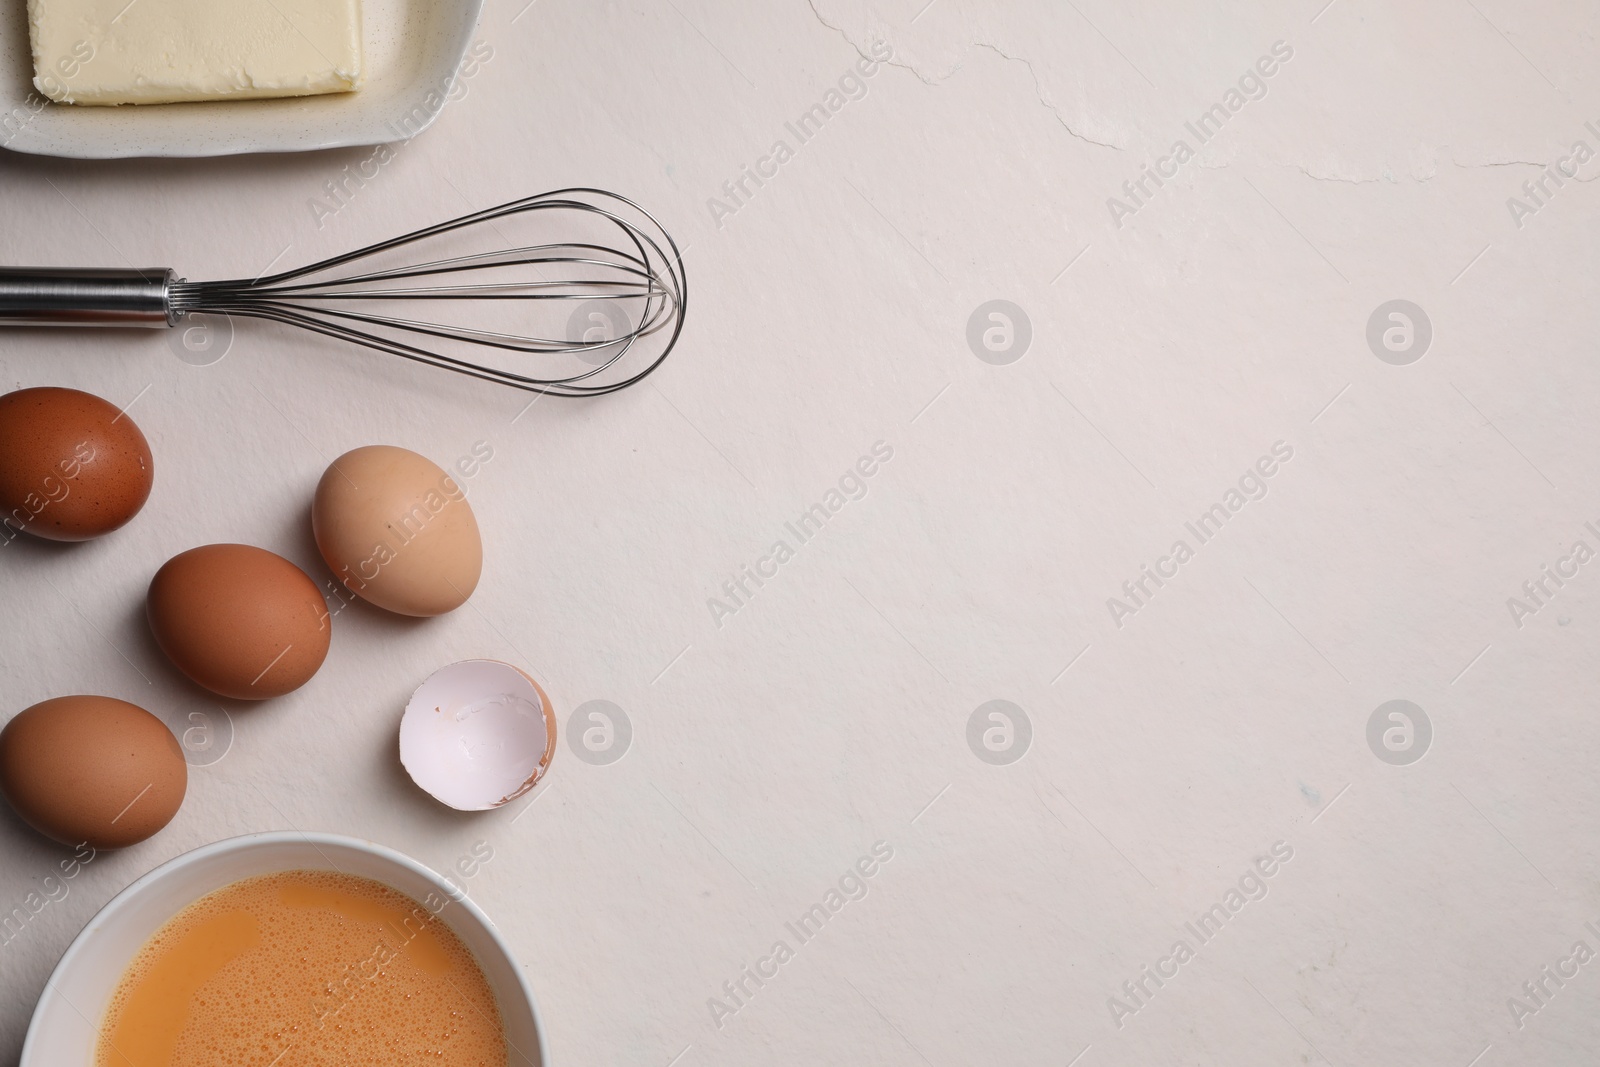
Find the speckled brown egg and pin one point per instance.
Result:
(398, 531)
(95, 770)
(72, 466)
(241, 621)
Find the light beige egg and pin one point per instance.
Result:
(397, 531)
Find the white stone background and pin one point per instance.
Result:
(830, 312)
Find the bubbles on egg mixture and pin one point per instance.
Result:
(347, 972)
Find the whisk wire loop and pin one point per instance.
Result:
(645, 278)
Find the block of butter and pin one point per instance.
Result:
(165, 51)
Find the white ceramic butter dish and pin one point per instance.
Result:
(414, 51)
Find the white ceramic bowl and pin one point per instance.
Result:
(62, 1033)
(412, 51)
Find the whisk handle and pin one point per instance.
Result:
(49, 296)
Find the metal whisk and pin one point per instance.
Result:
(555, 311)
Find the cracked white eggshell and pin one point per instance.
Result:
(477, 734)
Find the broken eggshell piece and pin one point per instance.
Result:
(477, 734)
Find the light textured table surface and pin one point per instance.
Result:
(1172, 342)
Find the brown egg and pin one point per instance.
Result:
(72, 466)
(398, 531)
(241, 621)
(92, 769)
